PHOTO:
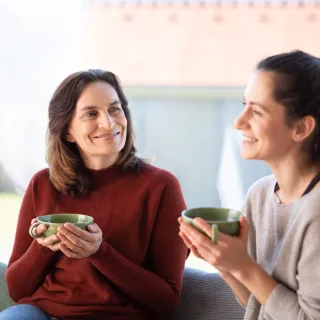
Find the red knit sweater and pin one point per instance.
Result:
(137, 271)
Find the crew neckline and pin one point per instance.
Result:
(105, 171)
(278, 201)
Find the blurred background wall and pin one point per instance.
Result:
(184, 65)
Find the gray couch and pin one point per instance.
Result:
(205, 296)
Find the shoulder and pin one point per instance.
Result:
(158, 178)
(40, 179)
(39, 183)
(307, 220)
(261, 187)
(159, 175)
(42, 175)
(310, 206)
(258, 193)
(164, 187)
(262, 184)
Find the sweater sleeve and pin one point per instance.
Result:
(29, 262)
(304, 304)
(157, 286)
(247, 212)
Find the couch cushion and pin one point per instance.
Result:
(206, 296)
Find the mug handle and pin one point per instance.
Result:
(34, 225)
(215, 233)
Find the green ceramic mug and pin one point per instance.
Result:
(221, 219)
(53, 221)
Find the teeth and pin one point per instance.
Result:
(105, 136)
(249, 139)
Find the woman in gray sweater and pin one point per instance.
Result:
(280, 276)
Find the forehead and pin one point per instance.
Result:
(98, 92)
(260, 86)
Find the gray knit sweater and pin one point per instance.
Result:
(285, 240)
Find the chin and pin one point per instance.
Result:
(110, 152)
(248, 156)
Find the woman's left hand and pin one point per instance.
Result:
(229, 254)
(77, 243)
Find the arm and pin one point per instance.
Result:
(256, 281)
(204, 248)
(29, 262)
(156, 287)
(240, 291)
(279, 300)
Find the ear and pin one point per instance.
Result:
(304, 128)
(70, 137)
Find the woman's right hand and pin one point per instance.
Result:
(51, 242)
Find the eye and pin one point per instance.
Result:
(256, 112)
(90, 114)
(114, 110)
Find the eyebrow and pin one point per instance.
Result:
(266, 109)
(86, 108)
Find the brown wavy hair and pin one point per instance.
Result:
(68, 172)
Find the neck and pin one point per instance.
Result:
(100, 162)
(293, 177)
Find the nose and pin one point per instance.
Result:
(106, 121)
(241, 120)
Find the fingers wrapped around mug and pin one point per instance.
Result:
(229, 254)
(44, 228)
(189, 244)
(51, 242)
(78, 243)
(37, 232)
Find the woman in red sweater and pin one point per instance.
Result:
(129, 263)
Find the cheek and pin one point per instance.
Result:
(277, 137)
(264, 130)
(85, 129)
(82, 133)
(123, 123)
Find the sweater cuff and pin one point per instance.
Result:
(242, 305)
(41, 250)
(102, 251)
(280, 302)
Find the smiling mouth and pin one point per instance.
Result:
(247, 139)
(107, 136)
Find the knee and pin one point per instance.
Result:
(23, 312)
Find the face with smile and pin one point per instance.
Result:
(265, 132)
(98, 125)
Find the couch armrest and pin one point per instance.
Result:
(5, 300)
(206, 296)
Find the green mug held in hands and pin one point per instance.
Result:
(221, 220)
(53, 221)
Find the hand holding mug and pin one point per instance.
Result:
(210, 234)
(77, 243)
(50, 242)
(44, 229)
